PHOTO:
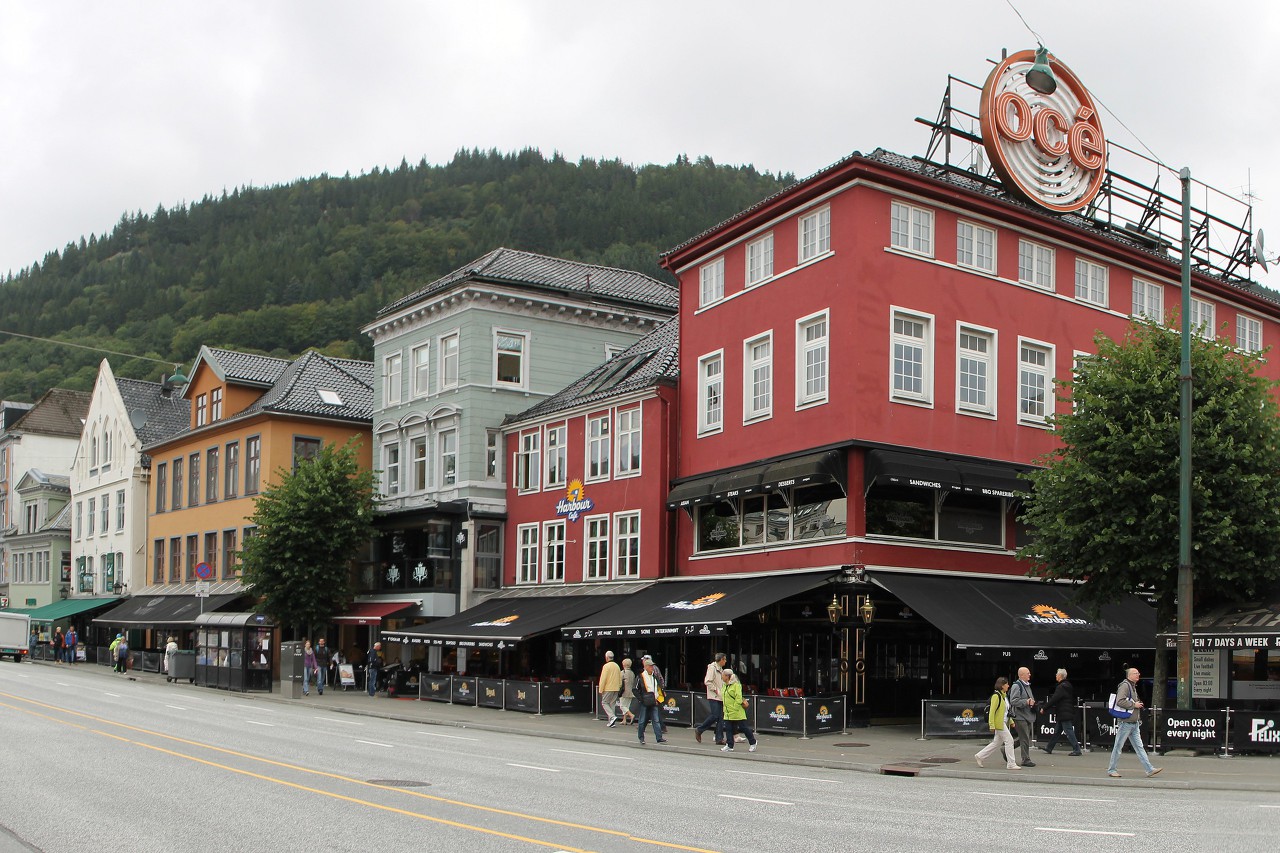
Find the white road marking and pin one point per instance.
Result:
(62, 684)
(117, 695)
(755, 800)
(375, 743)
(342, 722)
(1268, 807)
(781, 776)
(593, 754)
(257, 708)
(450, 737)
(531, 767)
(176, 707)
(1037, 797)
(1083, 831)
(256, 723)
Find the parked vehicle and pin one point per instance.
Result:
(15, 634)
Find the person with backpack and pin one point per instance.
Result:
(1129, 728)
(997, 721)
(122, 654)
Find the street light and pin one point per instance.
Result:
(834, 609)
(867, 609)
(120, 588)
(1040, 77)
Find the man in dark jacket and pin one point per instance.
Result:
(1062, 704)
(372, 666)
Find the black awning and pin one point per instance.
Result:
(1020, 614)
(1245, 627)
(912, 469)
(146, 611)
(1001, 481)
(235, 620)
(692, 607)
(500, 622)
(806, 470)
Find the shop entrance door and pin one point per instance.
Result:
(901, 661)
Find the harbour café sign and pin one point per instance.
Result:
(1049, 149)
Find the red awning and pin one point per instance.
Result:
(373, 612)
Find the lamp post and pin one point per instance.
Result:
(1184, 460)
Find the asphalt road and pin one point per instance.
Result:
(101, 763)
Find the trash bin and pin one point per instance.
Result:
(182, 665)
(291, 669)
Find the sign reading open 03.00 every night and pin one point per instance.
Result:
(1050, 149)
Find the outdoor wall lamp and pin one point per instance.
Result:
(867, 609)
(833, 610)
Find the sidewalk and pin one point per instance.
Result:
(880, 749)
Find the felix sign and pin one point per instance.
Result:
(1049, 149)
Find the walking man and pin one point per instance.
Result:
(1022, 704)
(73, 640)
(1062, 705)
(322, 664)
(610, 687)
(1130, 729)
(648, 685)
(714, 699)
(372, 666)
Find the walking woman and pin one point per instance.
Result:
(997, 722)
(628, 692)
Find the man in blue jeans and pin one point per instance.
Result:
(716, 717)
(647, 686)
(1129, 729)
(372, 667)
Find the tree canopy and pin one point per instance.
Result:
(310, 523)
(1104, 510)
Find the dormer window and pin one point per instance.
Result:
(215, 405)
(202, 410)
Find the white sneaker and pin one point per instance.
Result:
(979, 760)
(726, 748)
(751, 748)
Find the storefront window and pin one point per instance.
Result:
(917, 513)
(900, 511)
(799, 515)
(972, 519)
(764, 519)
(818, 512)
(488, 555)
(1255, 674)
(718, 526)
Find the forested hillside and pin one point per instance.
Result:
(281, 269)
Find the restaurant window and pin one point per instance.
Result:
(911, 228)
(447, 442)
(418, 461)
(909, 512)
(711, 393)
(193, 477)
(157, 561)
(527, 559)
(811, 360)
(211, 475)
(629, 443)
(901, 511)
(211, 551)
(175, 560)
(304, 450)
(230, 561)
(177, 484)
(815, 234)
(557, 455)
(528, 462)
(231, 481)
(193, 556)
(627, 545)
(971, 519)
(553, 562)
(488, 555)
(510, 352)
(598, 447)
(1254, 674)
(759, 521)
(596, 551)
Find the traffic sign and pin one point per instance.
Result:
(202, 590)
(204, 571)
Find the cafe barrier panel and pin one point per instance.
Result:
(533, 697)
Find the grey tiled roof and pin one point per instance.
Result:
(650, 360)
(57, 481)
(297, 389)
(59, 412)
(155, 415)
(61, 520)
(510, 266)
(245, 367)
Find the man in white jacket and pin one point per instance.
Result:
(714, 698)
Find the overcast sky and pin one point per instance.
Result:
(123, 106)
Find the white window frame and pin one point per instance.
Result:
(630, 555)
(628, 449)
(1148, 300)
(215, 405)
(757, 378)
(1248, 333)
(760, 260)
(988, 360)
(527, 553)
(493, 454)
(804, 347)
(553, 551)
(711, 282)
(447, 458)
(910, 349)
(911, 228)
(597, 550)
(120, 509)
(450, 358)
(556, 457)
(391, 468)
(975, 246)
(813, 235)
(105, 516)
(527, 467)
(1204, 318)
(202, 418)
(1045, 373)
(392, 373)
(1091, 282)
(421, 366)
(1036, 264)
(711, 393)
(524, 338)
(419, 463)
(599, 461)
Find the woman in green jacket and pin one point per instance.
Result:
(998, 722)
(735, 713)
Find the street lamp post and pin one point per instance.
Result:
(1184, 459)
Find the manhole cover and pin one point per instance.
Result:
(849, 745)
(399, 783)
(941, 760)
(917, 764)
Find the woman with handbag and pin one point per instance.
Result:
(998, 721)
(649, 686)
(628, 693)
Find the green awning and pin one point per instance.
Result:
(60, 610)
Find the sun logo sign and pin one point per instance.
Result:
(575, 501)
(1043, 614)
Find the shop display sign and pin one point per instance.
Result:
(824, 714)
(956, 719)
(489, 692)
(521, 696)
(1206, 675)
(438, 688)
(677, 710)
(1190, 729)
(1255, 731)
(1049, 149)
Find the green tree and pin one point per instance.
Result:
(310, 524)
(1104, 509)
